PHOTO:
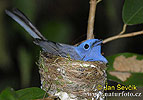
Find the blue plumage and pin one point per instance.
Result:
(90, 50)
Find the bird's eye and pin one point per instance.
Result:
(86, 46)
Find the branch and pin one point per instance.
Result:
(124, 29)
(90, 27)
(98, 1)
(122, 36)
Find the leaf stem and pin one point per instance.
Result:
(124, 29)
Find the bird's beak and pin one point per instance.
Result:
(98, 42)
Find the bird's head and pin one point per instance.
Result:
(90, 50)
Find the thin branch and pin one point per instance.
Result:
(122, 36)
(99, 1)
(124, 29)
(90, 27)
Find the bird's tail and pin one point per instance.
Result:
(20, 18)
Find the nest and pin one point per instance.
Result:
(79, 79)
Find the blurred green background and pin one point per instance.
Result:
(60, 21)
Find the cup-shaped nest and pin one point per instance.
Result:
(79, 79)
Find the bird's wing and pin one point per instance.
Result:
(21, 19)
(58, 48)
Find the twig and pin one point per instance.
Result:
(122, 36)
(98, 1)
(123, 30)
(90, 27)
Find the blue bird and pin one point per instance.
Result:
(90, 50)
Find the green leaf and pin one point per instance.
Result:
(126, 68)
(8, 94)
(133, 12)
(31, 93)
(23, 94)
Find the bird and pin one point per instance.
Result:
(89, 50)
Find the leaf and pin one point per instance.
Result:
(123, 76)
(31, 93)
(23, 94)
(130, 64)
(8, 94)
(133, 12)
(125, 67)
